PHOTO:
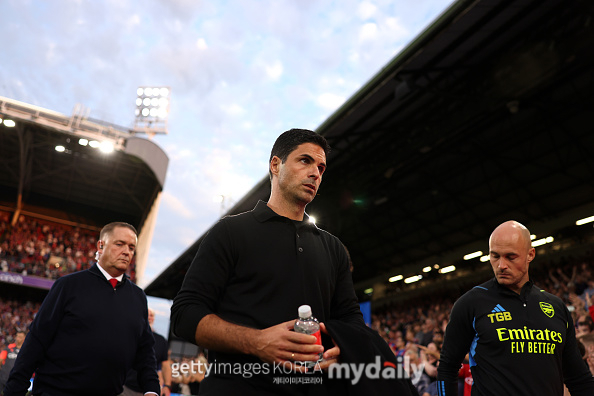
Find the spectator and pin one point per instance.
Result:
(584, 325)
(8, 357)
(131, 386)
(428, 327)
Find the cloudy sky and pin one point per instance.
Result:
(240, 71)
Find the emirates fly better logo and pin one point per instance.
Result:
(547, 309)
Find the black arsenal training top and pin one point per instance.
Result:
(518, 344)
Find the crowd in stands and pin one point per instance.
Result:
(46, 249)
(15, 315)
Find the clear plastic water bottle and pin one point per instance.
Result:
(307, 324)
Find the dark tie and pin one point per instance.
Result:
(113, 282)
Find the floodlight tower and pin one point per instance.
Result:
(152, 110)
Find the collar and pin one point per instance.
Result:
(262, 213)
(107, 276)
(523, 292)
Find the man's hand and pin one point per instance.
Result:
(278, 344)
(332, 355)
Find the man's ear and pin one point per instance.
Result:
(275, 164)
(531, 254)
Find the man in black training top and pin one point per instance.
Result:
(520, 339)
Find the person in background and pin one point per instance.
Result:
(131, 386)
(517, 334)
(91, 329)
(8, 357)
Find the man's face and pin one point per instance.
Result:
(582, 326)
(19, 339)
(299, 177)
(510, 256)
(151, 317)
(116, 250)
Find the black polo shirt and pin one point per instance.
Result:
(256, 268)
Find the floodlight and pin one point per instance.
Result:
(470, 256)
(152, 103)
(447, 269)
(585, 220)
(368, 291)
(60, 149)
(485, 258)
(542, 241)
(9, 123)
(94, 144)
(106, 147)
(395, 278)
(427, 269)
(83, 142)
(412, 279)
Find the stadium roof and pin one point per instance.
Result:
(486, 116)
(80, 184)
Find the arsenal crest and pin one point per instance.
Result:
(547, 309)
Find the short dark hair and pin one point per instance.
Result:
(289, 140)
(108, 228)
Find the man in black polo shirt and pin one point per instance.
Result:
(252, 271)
(521, 339)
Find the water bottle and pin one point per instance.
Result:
(307, 324)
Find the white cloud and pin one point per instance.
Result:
(201, 44)
(133, 21)
(233, 110)
(368, 32)
(366, 10)
(174, 204)
(393, 28)
(274, 70)
(330, 101)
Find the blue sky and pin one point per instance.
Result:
(240, 71)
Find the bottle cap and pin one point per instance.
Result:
(304, 311)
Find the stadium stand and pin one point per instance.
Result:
(45, 249)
